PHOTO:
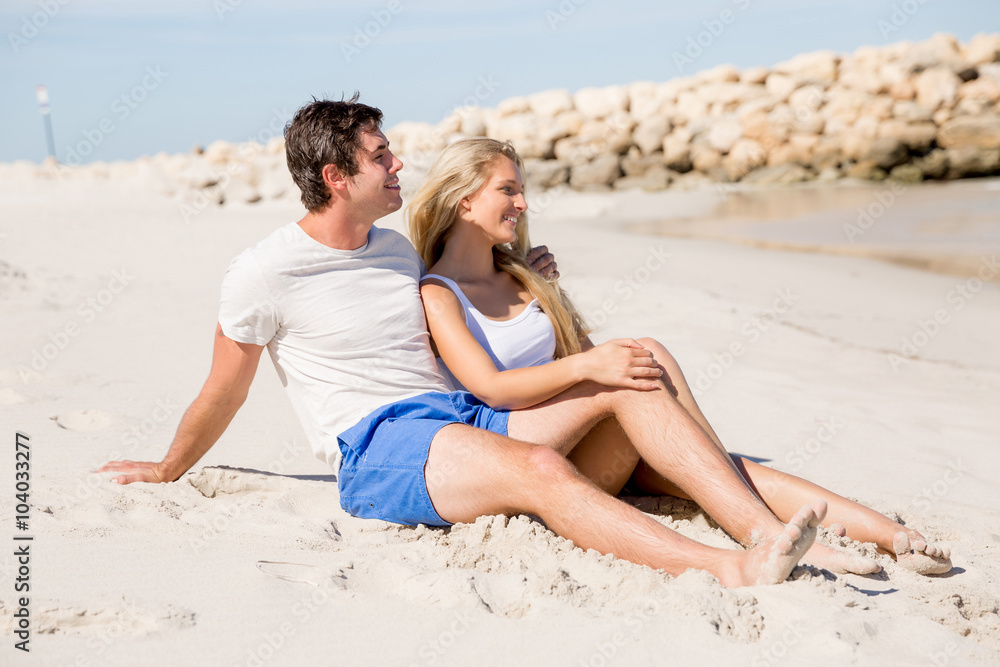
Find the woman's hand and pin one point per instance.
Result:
(620, 363)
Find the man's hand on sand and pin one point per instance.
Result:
(134, 471)
(543, 262)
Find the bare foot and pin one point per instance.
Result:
(840, 562)
(917, 555)
(838, 529)
(771, 561)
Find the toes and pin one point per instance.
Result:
(838, 529)
(819, 509)
(901, 543)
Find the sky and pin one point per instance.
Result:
(128, 78)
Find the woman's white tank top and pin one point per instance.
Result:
(525, 340)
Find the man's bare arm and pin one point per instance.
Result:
(233, 368)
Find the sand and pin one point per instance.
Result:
(881, 382)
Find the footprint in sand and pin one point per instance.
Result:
(84, 421)
(222, 480)
(121, 618)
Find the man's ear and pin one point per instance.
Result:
(334, 178)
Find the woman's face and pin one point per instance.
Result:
(497, 206)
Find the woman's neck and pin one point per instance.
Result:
(467, 256)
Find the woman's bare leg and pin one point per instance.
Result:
(780, 491)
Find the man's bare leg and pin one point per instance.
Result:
(781, 491)
(666, 437)
(471, 473)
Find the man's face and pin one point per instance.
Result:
(374, 190)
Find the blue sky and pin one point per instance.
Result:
(128, 78)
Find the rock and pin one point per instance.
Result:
(601, 171)
(566, 124)
(818, 67)
(729, 94)
(277, 184)
(411, 137)
(983, 89)
(887, 152)
(524, 131)
(649, 134)
(691, 106)
(644, 100)
(780, 86)
(866, 170)
(910, 112)
(601, 102)
(595, 138)
(934, 164)
(550, 103)
(635, 164)
(473, 121)
(513, 105)
(991, 71)
(692, 180)
(942, 116)
(677, 150)
(198, 175)
(937, 86)
(724, 133)
(906, 173)
(807, 98)
(718, 74)
(798, 150)
(903, 90)
(220, 152)
(761, 128)
(704, 158)
(744, 156)
(545, 174)
(982, 133)
(865, 80)
(844, 104)
(970, 107)
(941, 50)
(982, 49)
(784, 174)
(653, 180)
(971, 161)
(275, 146)
(754, 75)
(915, 136)
(239, 191)
(878, 107)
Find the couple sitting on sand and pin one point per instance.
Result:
(550, 425)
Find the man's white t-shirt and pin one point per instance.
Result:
(344, 328)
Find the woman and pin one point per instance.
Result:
(514, 340)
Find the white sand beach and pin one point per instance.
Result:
(880, 381)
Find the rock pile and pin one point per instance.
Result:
(910, 111)
(907, 111)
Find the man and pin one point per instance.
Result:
(336, 302)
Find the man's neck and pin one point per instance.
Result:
(336, 231)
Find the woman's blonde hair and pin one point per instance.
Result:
(459, 173)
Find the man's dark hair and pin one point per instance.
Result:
(325, 132)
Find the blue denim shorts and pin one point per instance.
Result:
(384, 455)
